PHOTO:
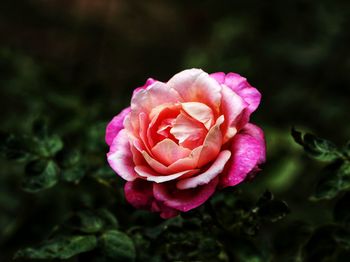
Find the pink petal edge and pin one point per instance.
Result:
(120, 157)
(248, 152)
(115, 125)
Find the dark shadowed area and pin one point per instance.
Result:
(68, 66)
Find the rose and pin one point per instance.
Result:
(180, 140)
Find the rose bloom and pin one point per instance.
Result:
(181, 140)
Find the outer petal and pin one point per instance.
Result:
(183, 200)
(139, 194)
(116, 125)
(219, 77)
(120, 157)
(165, 211)
(149, 82)
(213, 171)
(194, 85)
(248, 151)
(154, 95)
(241, 86)
(232, 106)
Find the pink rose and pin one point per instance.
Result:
(180, 140)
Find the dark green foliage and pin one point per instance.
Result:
(67, 67)
(334, 179)
(61, 247)
(86, 221)
(40, 174)
(117, 245)
(327, 243)
(316, 147)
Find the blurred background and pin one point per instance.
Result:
(76, 62)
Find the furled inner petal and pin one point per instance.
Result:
(200, 112)
(167, 151)
(165, 126)
(212, 143)
(182, 164)
(143, 120)
(214, 170)
(189, 132)
(153, 176)
(162, 118)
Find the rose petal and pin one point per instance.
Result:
(240, 86)
(204, 178)
(232, 105)
(183, 164)
(219, 77)
(139, 193)
(167, 151)
(189, 132)
(143, 127)
(120, 157)
(194, 85)
(212, 143)
(248, 151)
(165, 211)
(183, 200)
(148, 82)
(200, 112)
(116, 125)
(162, 118)
(154, 95)
(150, 175)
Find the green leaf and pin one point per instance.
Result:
(15, 147)
(40, 174)
(117, 245)
(109, 219)
(316, 147)
(335, 178)
(74, 174)
(86, 221)
(155, 232)
(48, 147)
(63, 247)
